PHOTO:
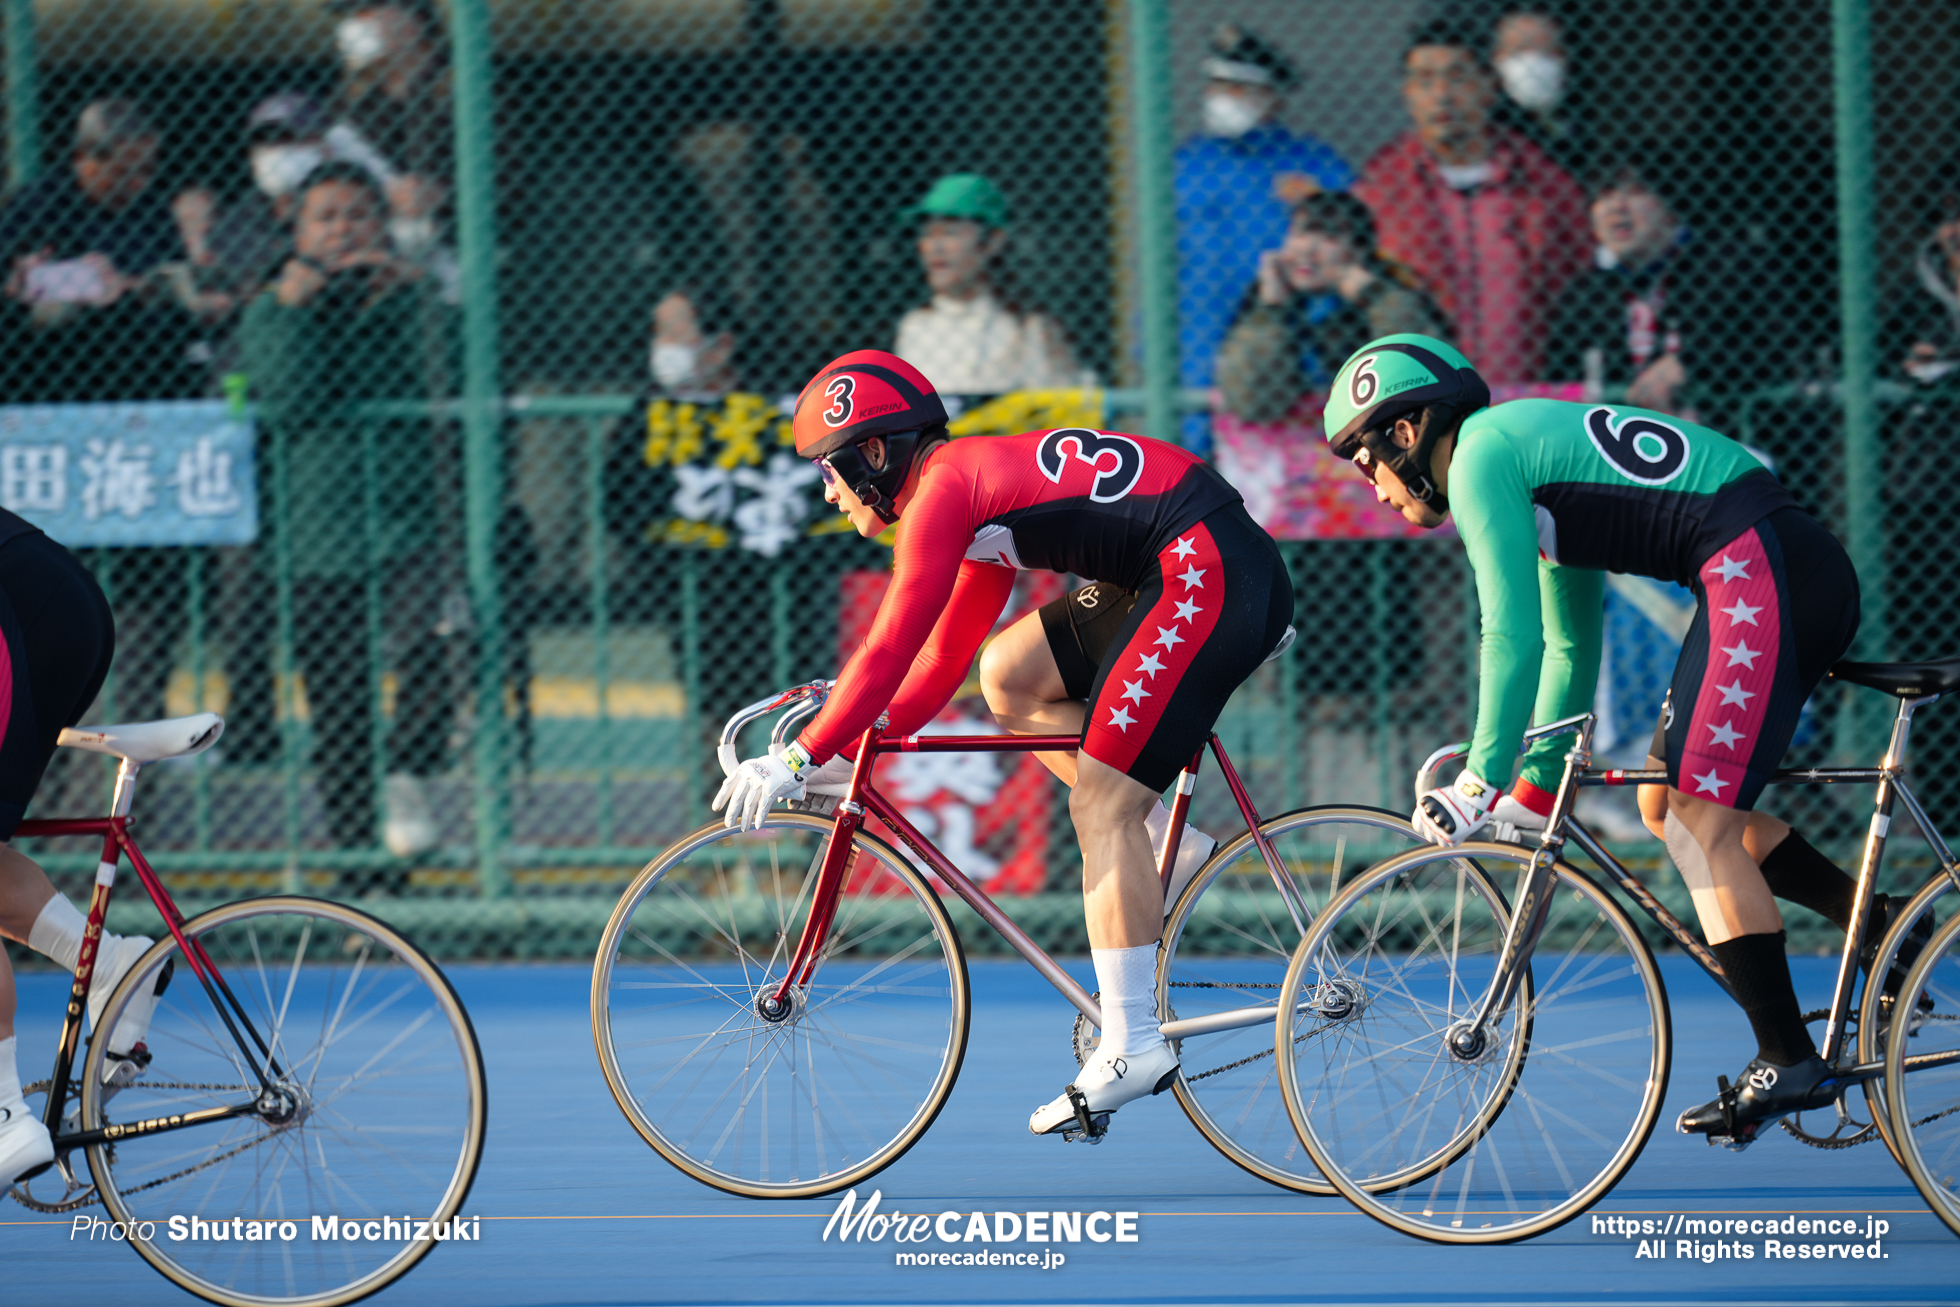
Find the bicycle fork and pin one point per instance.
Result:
(1469, 1037)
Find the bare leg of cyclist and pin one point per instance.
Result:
(1024, 689)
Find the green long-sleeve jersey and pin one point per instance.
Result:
(1548, 497)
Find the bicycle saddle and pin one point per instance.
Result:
(1906, 680)
(143, 742)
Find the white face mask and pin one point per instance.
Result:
(1534, 79)
(279, 169)
(361, 42)
(1230, 115)
(674, 365)
(412, 237)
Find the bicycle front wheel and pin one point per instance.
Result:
(815, 1100)
(1922, 1075)
(1463, 1134)
(1226, 947)
(371, 1115)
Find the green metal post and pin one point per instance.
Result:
(194, 600)
(691, 683)
(595, 507)
(1150, 97)
(1851, 62)
(23, 94)
(483, 477)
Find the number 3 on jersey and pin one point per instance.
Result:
(1639, 448)
(1117, 460)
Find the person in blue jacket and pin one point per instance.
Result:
(1236, 184)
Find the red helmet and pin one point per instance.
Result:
(869, 393)
(864, 393)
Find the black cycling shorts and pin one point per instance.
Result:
(57, 638)
(1156, 666)
(1778, 606)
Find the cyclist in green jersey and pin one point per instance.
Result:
(1548, 496)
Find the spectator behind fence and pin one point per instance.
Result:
(342, 324)
(1234, 185)
(1534, 71)
(1323, 294)
(1493, 227)
(693, 352)
(1663, 306)
(977, 335)
(1924, 328)
(393, 117)
(90, 315)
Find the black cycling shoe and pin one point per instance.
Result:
(1909, 950)
(1766, 1094)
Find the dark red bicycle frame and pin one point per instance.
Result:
(116, 842)
(861, 799)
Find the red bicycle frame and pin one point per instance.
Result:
(861, 798)
(117, 842)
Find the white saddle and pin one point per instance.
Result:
(145, 742)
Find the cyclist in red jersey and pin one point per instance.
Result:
(1212, 600)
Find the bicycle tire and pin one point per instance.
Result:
(381, 1061)
(1927, 1102)
(1873, 1024)
(1242, 940)
(890, 1022)
(1478, 1154)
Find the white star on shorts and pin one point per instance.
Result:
(1184, 548)
(1150, 665)
(1187, 611)
(1724, 735)
(1120, 718)
(1740, 652)
(1193, 578)
(1134, 691)
(1740, 612)
(1734, 696)
(1710, 784)
(1168, 637)
(1730, 569)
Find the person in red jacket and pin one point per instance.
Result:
(1209, 600)
(1493, 226)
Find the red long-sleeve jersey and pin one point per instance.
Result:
(1099, 504)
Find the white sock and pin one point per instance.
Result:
(1128, 980)
(9, 1073)
(57, 932)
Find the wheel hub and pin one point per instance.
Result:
(1467, 1042)
(789, 1009)
(282, 1105)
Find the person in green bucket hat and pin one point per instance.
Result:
(978, 334)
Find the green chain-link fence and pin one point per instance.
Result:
(457, 477)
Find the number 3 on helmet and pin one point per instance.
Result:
(863, 394)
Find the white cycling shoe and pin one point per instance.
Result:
(24, 1143)
(1193, 851)
(111, 965)
(1104, 1085)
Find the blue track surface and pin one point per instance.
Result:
(576, 1209)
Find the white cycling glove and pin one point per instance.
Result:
(754, 786)
(1453, 813)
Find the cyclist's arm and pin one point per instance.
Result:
(1574, 602)
(1494, 514)
(979, 593)
(925, 563)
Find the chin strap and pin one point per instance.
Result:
(1412, 465)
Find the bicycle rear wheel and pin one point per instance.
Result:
(1875, 1014)
(810, 1103)
(1226, 947)
(1534, 1124)
(376, 1113)
(1922, 1075)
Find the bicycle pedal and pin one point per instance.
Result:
(1096, 1131)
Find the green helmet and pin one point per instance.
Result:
(1403, 376)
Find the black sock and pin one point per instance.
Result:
(1759, 975)
(1798, 873)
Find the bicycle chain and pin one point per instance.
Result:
(91, 1195)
